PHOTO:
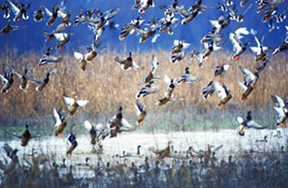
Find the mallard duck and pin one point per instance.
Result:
(12, 154)
(221, 69)
(52, 15)
(238, 48)
(60, 122)
(195, 6)
(178, 46)
(128, 63)
(128, 29)
(65, 16)
(263, 140)
(73, 104)
(79, 18)
(281, 110)
(93, 131)
(74, 144)
(136, 4)
(147, 90)
(209, 90)
(280, 48)
(146, 33)
(49, 59)
(220, 24)
(278, 135)
(6, 9)
(9, 28)
(7, 80)
(209, 48)
(144, 5)
(20, 11)
(92, 51)
(247, 89)
(42, 83)
(62, 39)
(24, 78)
(168, 23)
(25, 137)
(206, 154)
(141, 112)
(223, 94)
(165, 153)
(178, 57)
(118, 124)
(249, 77)
(151, 76)
(38, 15)
(260, 50)
(198, 57)
(239, 18)
(243, 2)
(82, 60)
(169, 94)
(212, 37)
(247, 123)
(281, 17)
(49, 36)
(187, 77)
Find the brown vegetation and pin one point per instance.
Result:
(107, 86)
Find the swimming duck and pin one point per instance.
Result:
(249, 77)
(20, 11)
(260, 50)
(263, 140)
(93, 131)
(52, 15)
(49, 59)
(73, 104)
(247, 123)
(144, 5)
(209, 90)
(179, 46)
(281, 110)
(9, 28)
(118, 124)
(147, 90)
(24, 77)
(223, 94)
(221, 69)
(38, 15)
(278, 135)
(62, 39)
(128, 63)
(42, 83)
(187, 77)
(238, 48)
(7, 80)
(141, 112)
(60, 122)
(151, 76)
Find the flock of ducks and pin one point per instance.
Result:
(97, 21)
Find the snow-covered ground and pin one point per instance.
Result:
(128, 142)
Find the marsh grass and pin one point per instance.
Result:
(107, 87)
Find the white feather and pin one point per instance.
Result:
(57, 117)
(82, 103)
(68, 101)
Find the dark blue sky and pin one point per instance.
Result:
(30, 38)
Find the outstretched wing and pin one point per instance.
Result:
(68, 101)
(82, 103)
(57, 117)
(278, 101)
(87, 125)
